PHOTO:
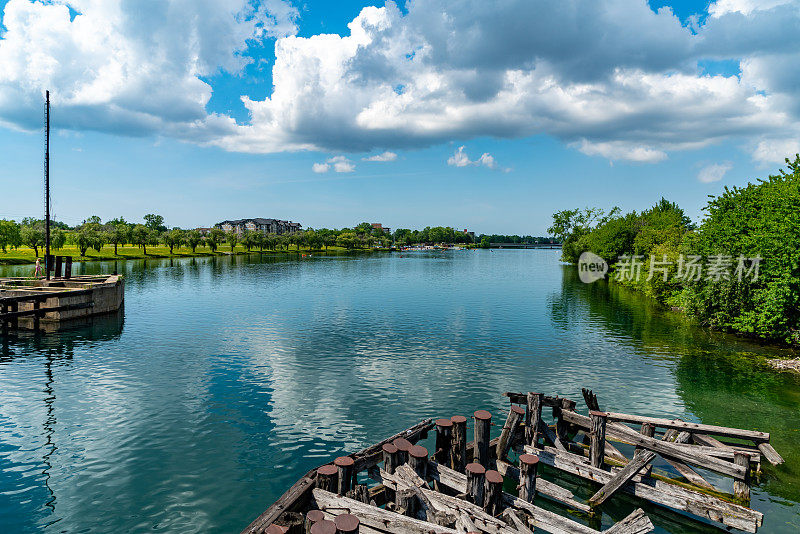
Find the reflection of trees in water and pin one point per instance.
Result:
(721, 379)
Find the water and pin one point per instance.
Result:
(225, 379)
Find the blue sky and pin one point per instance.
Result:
(571, 104)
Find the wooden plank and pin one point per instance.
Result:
(770, 453)
(658, 492)
(684, 470)
(621, 478)
(522, 398)
(514, 519)
(636, 522)
(694, 428)
(683, 453)
(375, 517)
(545, 488)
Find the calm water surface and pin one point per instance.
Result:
(225, 379)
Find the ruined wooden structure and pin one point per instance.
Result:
(496, 486)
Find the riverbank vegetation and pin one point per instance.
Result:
(752, 230)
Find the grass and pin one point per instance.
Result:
(24, 255)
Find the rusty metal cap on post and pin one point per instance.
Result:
(344, 461)
(402, 444)
(494, 477)
(315, 515)
(276, 529)
(418, 451)
(388, 448)
(457, 419)
(528, 459)
(518, 410)
(346, 523)
(475, 468)
(323, 527)
(327, 470)
(444, 423)
(598, 413)
(483, 415)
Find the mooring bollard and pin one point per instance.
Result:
(458, 449)
(323, 526)
(483, 425)
(346, 524)
(741, 488)
(515, 415)
(327, 478)
(528, 466)
(533, 416)
(418, 460)
(391, 457)
(403, 446)
(493, 492)
(597, 447)
(313, 516)
(476, 474)
(444, 438)
(344, 465)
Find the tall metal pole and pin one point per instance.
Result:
(47, 185)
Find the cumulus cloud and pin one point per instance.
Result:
(714, 172)
(337, 163)
(441, 70)
(385, 156)
(776, 150)
(461, 159)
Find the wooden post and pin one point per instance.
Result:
(4, 309)
(67, 267)
(344, 465)
(532, 418)
(406, 500)
(36, 305)
(597, 434)
(346, 524)
(458, 449)
(327, 478)
(391, 457)
(515, 415)
(561, 425)
(323, 526)
(649, 430)
(444, 438)
(313, 516)
(741, 488)
(418, 460)
(528, 466)
(15, 320)
(403, 446)
(483, 425)
(493, 492)
(475, 479)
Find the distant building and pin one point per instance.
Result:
(470, 234)
(379, 226)
(266, 226)
(203, 231)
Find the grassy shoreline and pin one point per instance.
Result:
(26, 256)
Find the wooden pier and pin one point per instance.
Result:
(496, 486)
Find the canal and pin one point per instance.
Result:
(226, 378)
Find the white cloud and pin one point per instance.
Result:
(385, 156)
(461, 159)
(714, 172)
(439, 71)
(337, 163)
(776, 150)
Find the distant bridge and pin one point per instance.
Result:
(526, 245)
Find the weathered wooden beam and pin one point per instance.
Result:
(658, 492)
(622, 477)
(515, 416)
(514, 519)
(533, 417)
(694, 428)
(597, 434)
(375, 517)
(683, 453)
(741, 488)
(545, 488)
(636, 522)
(770, 453)
(522, 398)
(684, 470)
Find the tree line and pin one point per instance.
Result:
(759, 222)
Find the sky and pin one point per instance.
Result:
(487, 116)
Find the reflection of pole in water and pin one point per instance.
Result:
(49, 430)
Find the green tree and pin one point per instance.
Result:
(249, 240)
(58, 238)
(140, 236)
(83, 238)
(9, 234)
(117, 234)
(154, 222)
(193, 238)
(232, 238)
(173, 238)
(215, 238)
(32, 235)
